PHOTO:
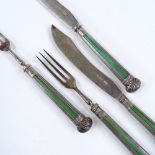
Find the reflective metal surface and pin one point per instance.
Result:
(70, 50)
(62, 12)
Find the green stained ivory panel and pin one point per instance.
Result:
(143, 118)
(123, 136)
(56, 97)
(107, 57)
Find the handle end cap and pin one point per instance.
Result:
(132, 84)
(85, 125)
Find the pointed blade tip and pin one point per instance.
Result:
(53, 27)
(56, 31)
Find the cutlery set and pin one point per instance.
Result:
(71, 51)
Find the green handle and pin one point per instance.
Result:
(117, 69)
(138, 114)
(127, 140)
(83, 123)
(143, 118)
(131, 83)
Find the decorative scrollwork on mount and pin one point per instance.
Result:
(83, 123)
(98, 111)
(132, 84)
(125, 101)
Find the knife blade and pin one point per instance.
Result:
(130, 82)
(61, 12)
(69, 49)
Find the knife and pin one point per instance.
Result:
(69, 49)
(131, 83)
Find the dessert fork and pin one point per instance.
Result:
(82, 122)
(67, 80)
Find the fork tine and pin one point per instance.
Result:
(4, 43)
(62, 75)
(50, 71)
(4, 38)
(59, 64)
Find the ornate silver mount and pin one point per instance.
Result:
(125, 101)
(98, 111)
(95, 108)
(78, 29)
(30, 71)
(132, 84)
(83, 123)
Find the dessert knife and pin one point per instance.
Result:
(131, 83)
(69, 49)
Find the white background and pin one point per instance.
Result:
(30, 123)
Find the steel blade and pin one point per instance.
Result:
(61, 12)
(66, 45)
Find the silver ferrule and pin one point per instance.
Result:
(98, 111)
(125, 101)
(30, 71)
(27, 68)
(79, 29)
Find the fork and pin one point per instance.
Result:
(82, 122)
(67, 80)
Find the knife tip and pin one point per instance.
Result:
(53, 27)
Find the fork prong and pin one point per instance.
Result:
(4, 43)
(56, 62)
(51, 71)
(4, 38)
(62, 75)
